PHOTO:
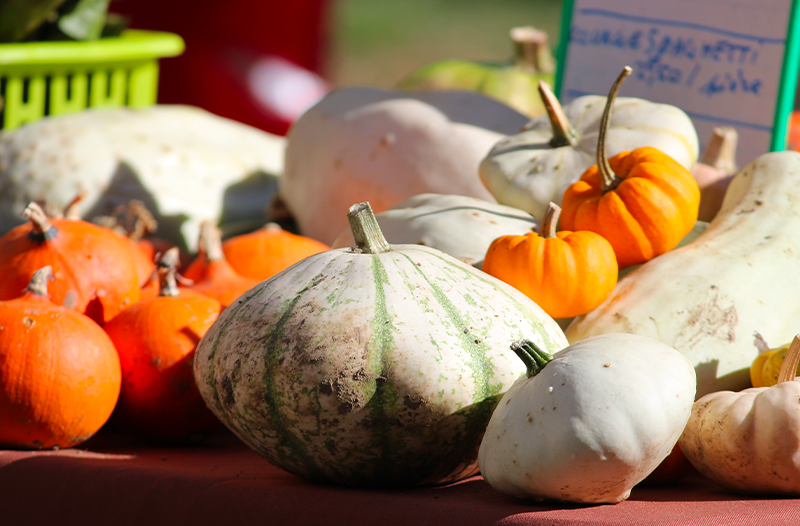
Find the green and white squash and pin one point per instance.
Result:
(372, 366)
(460, 226)
(534, 167)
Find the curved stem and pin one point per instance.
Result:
(548, 228)
(532, 356)
(166, 267)
(72, 210)
(790, 362)
(610, 179)
(41, 228)
(531, 51)
(38, 283)
(210, 242)
(720, 152)
(563, 132)
(366, 232)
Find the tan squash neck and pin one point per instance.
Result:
(531, 50)
(720, 152)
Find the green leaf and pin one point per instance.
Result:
(85, 21)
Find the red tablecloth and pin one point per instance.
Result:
(114, 481)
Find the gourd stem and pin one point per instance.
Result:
(166, 266)
(532, 356)
(563, 132)
(720, 152)
(210, 243)
(531, 52)
(366, 232)
(609, 178)
(548, 228)
(790, 362)
(38, 283)
(41, 228)
(72, 210)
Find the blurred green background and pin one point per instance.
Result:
(378, 42)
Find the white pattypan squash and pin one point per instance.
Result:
(460, 226)
(384, 146)
(590, 422)
(534, 167)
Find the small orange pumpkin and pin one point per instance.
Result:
(211, 273)
(566, 273)
(643, 202)
(93, 270)
(269, 250)
(59, 372)
(156, 340)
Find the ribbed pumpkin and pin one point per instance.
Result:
(265, 252)
(377, 365)
(566, 273)
(213, 276)
(92, 266)
(156, 340)
(643, 202)
(59, 372)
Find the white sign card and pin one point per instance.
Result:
(723, 62)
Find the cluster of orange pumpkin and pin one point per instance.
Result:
(90, 325)
(622, 211)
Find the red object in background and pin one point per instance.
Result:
(793, 139)
(255, 61)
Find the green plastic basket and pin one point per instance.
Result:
(38, 79)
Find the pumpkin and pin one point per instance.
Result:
(156, 340)
(590, 422)
(92, 265)
(59, 372)
(566, 273)
(749, 441)
(265, 252)
(377, 365)
(460, 226)
(211, 273)
(186, 164)
(768, 365)
(385, 146)
(642, 202)
(513, 83)
(535, 166)
(708, 298)
(714, 171)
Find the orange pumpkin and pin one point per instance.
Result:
(269, 250)
(59, 372)
(566, 273)
(211, 273)
(156, 339)
(643, 202)
(93, 270)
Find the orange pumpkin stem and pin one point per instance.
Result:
(41, 228)
(72, 210)
(167, 269)
(38, 283)
(132, 219)
(548, 228)
(720, 152)
(610, 179)
(790, 362)
(210, 243)
(366, 232)
(563, 132)
(531, 52)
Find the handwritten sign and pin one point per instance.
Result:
(723, 62)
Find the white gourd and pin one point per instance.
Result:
(460, 226)
(186, 164)
(534, 167)
(708, 298)
(384, 146)
(589, 424)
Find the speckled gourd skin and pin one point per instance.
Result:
(369, 369)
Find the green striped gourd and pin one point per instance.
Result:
(377, 365)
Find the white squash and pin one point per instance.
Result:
(187, 165)
(377, 365)
(535, 166)
(383, 146)
(460, 226)
(590, 422)
(738, 277)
